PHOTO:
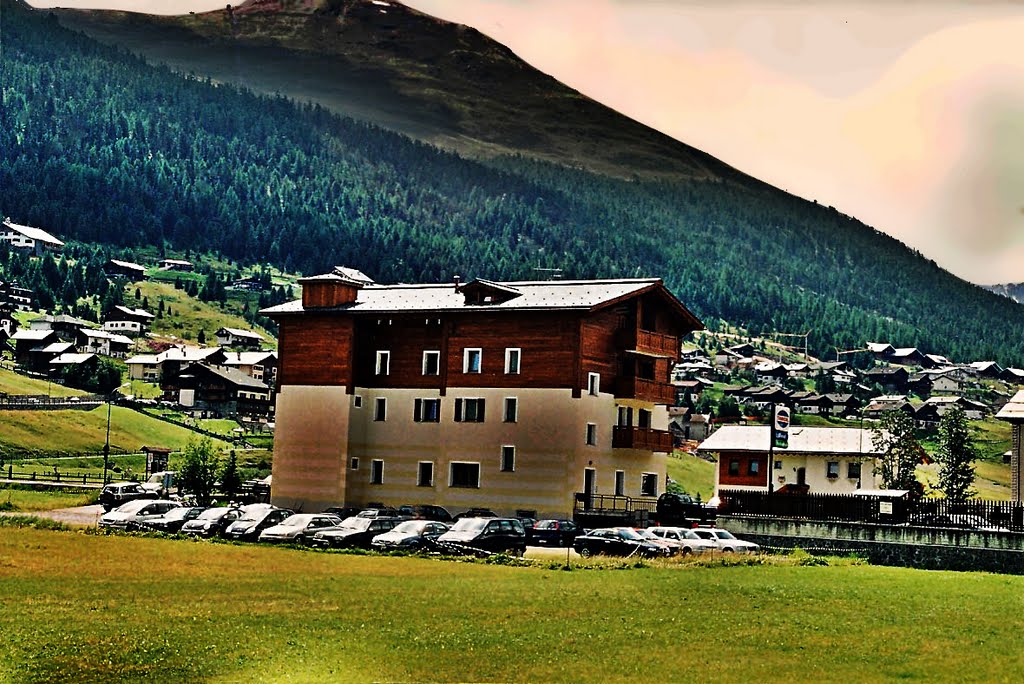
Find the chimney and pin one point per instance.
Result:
(329, 290)
(457, 282)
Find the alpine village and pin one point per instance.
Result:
(493, 316)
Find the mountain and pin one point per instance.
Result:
(100, 146)
(1014, 291)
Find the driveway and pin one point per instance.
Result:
(82, 516)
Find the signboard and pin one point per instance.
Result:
(885, 507)
(780, 428)
(155, 462)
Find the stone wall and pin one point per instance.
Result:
(916, 547)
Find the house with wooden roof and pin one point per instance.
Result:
(25, 341)
(28, 239)
(217, 391)
(40, 359)
(123, 320)
(518, 396)
(1013, 413)
(237, 338)
(817, 459)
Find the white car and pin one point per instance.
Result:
(299, 528)
(135, 511)
(688, 540)
(725, 540)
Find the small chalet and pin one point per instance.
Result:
(153, 367)
(771, 372)
(145, 367)
(687, 424)
(240, 339)
(176, 265)
(988, 369)
(879, 406)
(15, 295)
(28, 239)
(247, 283)
(817, 459)
(1013, 413)
(843, 405)
(1014, 376)
(259, 365)
(920, 384)
(73, 359)
(892, 379)
(881, 350)
(66, 327)
(910, 356)
(41, 359)
(223, 392)
(972, 409)
(104, 343)
(27, 340)
(127, 321)
(115, 269)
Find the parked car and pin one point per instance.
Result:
(674, 547)
(674, 508)
(343, 512)
(552, 533)
(163, 483)
(475, 513)
(688, 540)
(115, 494)
(378, 512)
(127, 514)
(356, 532)
(617, 541)
(212, 522)
(298, 528)
(169, 522)
(725, 540)
(426, 512)
(410, 535)
(485, 535)
(253, 522)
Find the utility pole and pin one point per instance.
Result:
(803, 335)
(106, 444)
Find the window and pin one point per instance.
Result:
(431, 363)
(471, 360)
(853, 470)
(620, 482)
(425, 474)
(376, 471)
(463, 474)
(591, 434)
(832, 469)
(625, 416)
(753, 468)
(353, 463)
(508, 459)
(649, 484)
(734, 467)
(643, 418)
(383, 362)
(427, 411)
(512, 355)
(380, 408)
(357, 401)
(469, 410)
(778, 465)
(511, 413)
(593, 383)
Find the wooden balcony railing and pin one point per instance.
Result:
(645, 390)
(651, 342)
(625, 437)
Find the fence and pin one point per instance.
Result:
(968, 514)
(55, 477)
(606, 510)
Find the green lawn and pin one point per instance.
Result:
(189, 315)
(28, 500)
(95, 608)
(73, 432)
(16, 383)
(693, 474)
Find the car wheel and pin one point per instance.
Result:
(728, 550)
(585, 552)
(300, 539)
(687, 551)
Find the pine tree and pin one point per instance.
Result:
(956, 456)
(230, 480)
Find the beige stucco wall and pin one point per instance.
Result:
(549, 437)
(310, 444)
(816, 468)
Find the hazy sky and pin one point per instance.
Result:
(909, 116)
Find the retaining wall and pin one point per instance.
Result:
(915, 547)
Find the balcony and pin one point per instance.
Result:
(645, 390)
(625, 437)
(650, 342)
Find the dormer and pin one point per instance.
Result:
(485, 292)
(334, 289)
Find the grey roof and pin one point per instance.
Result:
(33, 233)
(34, 335)
(535, 295)
(1014, 409)
(56, 348)
(186, 353)
(802, 440)
(128, 264)
(71, 359)
(147, 359)
(238, 332)
(139, 313)
(232, 375)
(247, 358)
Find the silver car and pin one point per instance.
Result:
(688, 540)
(135, 512)
(299, 528)
(726, 541)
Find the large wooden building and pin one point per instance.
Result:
(513, 396)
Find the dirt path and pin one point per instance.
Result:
(83, 516)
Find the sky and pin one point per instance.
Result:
(907, 115)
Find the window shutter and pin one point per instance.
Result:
(417, 411)
(458, 410)
(480, 411)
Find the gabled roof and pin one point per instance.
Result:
(187, 354)
(56, 348)
(62, 319)
(232, 375)
(586, 295)
(880, 348)
(144, 359)
(247, 358)
(176, 262)
(127, 264)
(802, 440)
(1013, 411)
(137, 313)
(104, 335)
(37, 234)
(238, 332)
(71, 359)
(32, 335)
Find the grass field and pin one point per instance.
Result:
(29, 500)
(16, 383)
(93, 608)
(694, 475)
(81, 431)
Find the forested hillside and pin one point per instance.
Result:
(99, 146)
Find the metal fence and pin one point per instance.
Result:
(980, 514)
(606, 510)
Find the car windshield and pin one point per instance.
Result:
(177, 513)
(722, 534)
(213, 513)
(626, 533)
(470, 525)
(688, 534)
(297, 521)
(646, 534)
(411, 527)
(133, 506)
(357, 523)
